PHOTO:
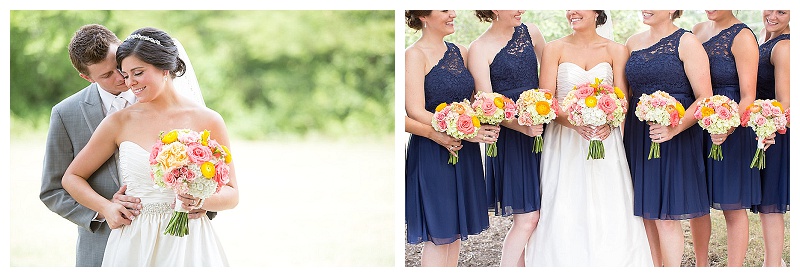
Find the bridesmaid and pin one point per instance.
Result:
(732, 185)
(444, 203)
(673, 187)
(773, 83)
(504, 59)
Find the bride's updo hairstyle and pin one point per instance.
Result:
(601, 18)
(152, 46)
(412, 18)
(485, 16)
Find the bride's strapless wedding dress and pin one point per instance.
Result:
(587, 205)
(143, 243)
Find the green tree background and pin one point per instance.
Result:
(271, 74)
(553, 24)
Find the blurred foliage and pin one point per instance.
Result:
(553, 24)
(269, 73)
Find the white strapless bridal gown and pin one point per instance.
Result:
(143, 243)
(587, 205)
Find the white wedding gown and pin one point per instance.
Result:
(143, 243)
(586, 217)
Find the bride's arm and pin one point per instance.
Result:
(228, 195)
(98, 150)
(548, 75)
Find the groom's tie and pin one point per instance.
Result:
(118, 104)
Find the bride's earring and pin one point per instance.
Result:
(424, 24)
(165, 78)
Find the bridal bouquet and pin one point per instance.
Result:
(717, 114)
(787, 117)
(659, 108)
(458, 120)
(595, 104)
(493, 108)
(765, 117)
(536, 106)
(190, 162)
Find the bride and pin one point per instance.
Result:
(587, 205)
(148, 60)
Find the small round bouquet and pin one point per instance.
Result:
(766, 117)
(717, 115)
(659, 108)
(536, 106)
(188, 162)
(595, 104)
(493, 108)
(457, 120)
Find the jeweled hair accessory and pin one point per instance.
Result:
(138, 36)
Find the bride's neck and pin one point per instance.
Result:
(585, 36)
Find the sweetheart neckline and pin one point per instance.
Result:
(139, 146)
(590, 69)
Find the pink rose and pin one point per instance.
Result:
(186, 174)
(488, 106)
(155, 151)
(723, 112)
(172, 176)
(674, 118)
(525, 119)
(760, 120)
(698, 114)
(584, 92)
(198, 153)
(222, 177)
(707, 121)
(440, 115)
(607, 88)
(464, 124)
(745, 118)
(189, 137)
(442, 125)
(607, 104)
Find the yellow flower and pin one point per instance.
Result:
(476, 122)
(778, 104)
(619, 93)
(498, 101)
(754, 108)
(706, 111)
(548, 95)
(441, 107)
(173, 156)
(459, 108)
(542, 108)
(204, 137)
(208, 170)
(681, 110)
(170, 137)
(228, 157)
(591, 101)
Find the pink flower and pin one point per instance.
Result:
(745, 118)
(674, 118)
(488, 107)
(607, 104)
(188, 137)
(723, 112)
(198, 153)
(525, 119)
(441, 115)
(155, 151)
(607, 88)
(222, 176)
(707, 121)
(584, 92)
(442, 125)
(760, 120)
(464, 124)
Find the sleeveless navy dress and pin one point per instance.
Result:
(444, 202)
(775, 176)
(732, 184)
(512, 178)
(672, 187)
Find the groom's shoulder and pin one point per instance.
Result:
(73, 101)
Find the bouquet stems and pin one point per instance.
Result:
(596, 150)
(758, 159)
(655, 150)
(453, 159)
(491, 150)
(716, 152)
(179, 223)
(537, 144)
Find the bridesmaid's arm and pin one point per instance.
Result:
(415, 85)
(538, 41)
(745, 53)
(780, 59)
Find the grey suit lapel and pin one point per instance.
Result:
(92, 109)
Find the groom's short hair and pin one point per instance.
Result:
(90, 45)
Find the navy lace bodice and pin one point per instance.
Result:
(449, 80)
(721, 60)
(765, 88)
(515, 68)
(659, 67)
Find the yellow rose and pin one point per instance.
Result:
(170, 137)
(173, 156)
(208, 170)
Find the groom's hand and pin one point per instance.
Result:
(131, 203)
(196, 213)
(117, 215)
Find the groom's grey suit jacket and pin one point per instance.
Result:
(72, 122)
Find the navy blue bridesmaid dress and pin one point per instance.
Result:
(512, 178)
(444, 202)
(672, 187)
(732, 184)
(775, 175)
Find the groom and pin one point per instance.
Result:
(92, 51)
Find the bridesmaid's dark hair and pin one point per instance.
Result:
(485, 16)
(677, 14)
(601, 18)
(152, 46)
(412, 18)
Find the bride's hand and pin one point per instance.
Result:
(130, 202)
(189, 202)
(117, 215)
(660, 133)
